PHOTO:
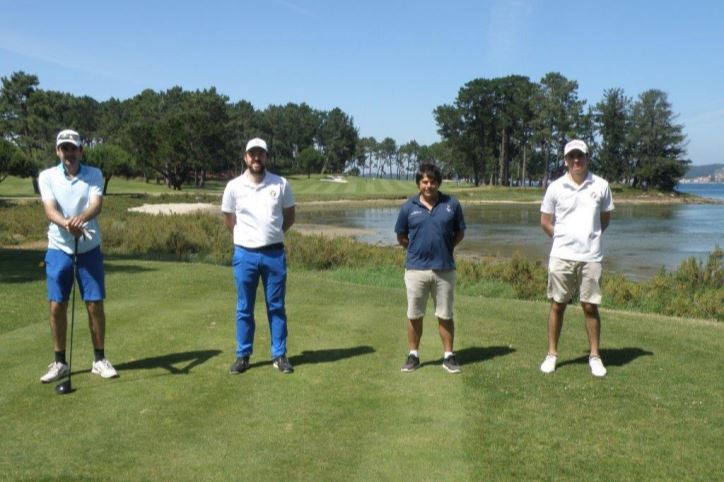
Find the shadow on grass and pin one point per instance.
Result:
(475, 354)
(27, 265)
(21, 265)
(615, 357)
(311, 357)
(188, 360)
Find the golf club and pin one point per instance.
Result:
(65, 387)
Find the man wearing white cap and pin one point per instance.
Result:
(72, 195)
(258, 209)
(575, 212)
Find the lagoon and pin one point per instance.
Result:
(641, 239)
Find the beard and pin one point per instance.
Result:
(257, 168)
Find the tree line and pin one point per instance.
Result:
(503, 131)
(511, 131)
(176, 136)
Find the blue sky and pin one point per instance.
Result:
(386, 63)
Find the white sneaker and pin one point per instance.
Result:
(597, 368)
(549, 364)
(56, 370)
(104, 369)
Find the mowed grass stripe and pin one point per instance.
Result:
(322, 410)
(348, 412)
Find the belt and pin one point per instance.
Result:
(268, 247)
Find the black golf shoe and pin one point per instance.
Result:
(282, 364)
(412, 364)
(451, 364)
(240, 365)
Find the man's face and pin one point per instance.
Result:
(255, 160)
(68, 153)
(428, 186)
(576, 162)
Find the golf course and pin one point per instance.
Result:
(347, 412)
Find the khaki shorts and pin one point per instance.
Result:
(570, 279)
(423, 283)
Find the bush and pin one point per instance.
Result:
(694, 289)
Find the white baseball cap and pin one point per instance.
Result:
(67, 136)
(575, 145)
(256, 142)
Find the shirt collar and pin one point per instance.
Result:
(440, 199)
(249, 181)
(61, 168)
(570, 182)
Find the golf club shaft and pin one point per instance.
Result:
(72, 308)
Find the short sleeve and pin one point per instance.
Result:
(606, 199)
(401, 226)
(45, 187)
(227, 200)
(548, 206)
(459, 218)
(96, 184)
(287, 196)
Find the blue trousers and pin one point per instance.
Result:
(271, 266)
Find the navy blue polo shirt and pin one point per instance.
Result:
(431, 232)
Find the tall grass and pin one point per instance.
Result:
(695, 289)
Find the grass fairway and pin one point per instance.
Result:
(347, 413)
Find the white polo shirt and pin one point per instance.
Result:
(258, 208)
(72, 197)
(577, 216)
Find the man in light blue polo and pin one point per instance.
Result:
(72, 195)
(430, 225)
(258, 209)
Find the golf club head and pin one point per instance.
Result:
(64, 388)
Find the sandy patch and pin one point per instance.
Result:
(177, 208)
(334, 179)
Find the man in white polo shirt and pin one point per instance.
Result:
(72, 195)
(258, 209)
(575, 212)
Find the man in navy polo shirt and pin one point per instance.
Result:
(430, 225)
(72, 195)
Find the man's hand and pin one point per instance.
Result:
(75, 225)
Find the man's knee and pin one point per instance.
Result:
(589, 308)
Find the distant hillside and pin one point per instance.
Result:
(705, 170)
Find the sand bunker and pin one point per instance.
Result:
(177, 208)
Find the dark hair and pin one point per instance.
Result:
(429, 170)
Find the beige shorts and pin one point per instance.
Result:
(423, 283)
(570, 279)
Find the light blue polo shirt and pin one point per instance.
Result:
(72, 197)
(431, 232)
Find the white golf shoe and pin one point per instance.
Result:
(549, 364)
(104, 369)
(597, 368)
(56, 370)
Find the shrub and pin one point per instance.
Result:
(694, 289)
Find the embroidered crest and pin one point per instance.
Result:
(273, 193)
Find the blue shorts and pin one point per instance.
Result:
(91, 278)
